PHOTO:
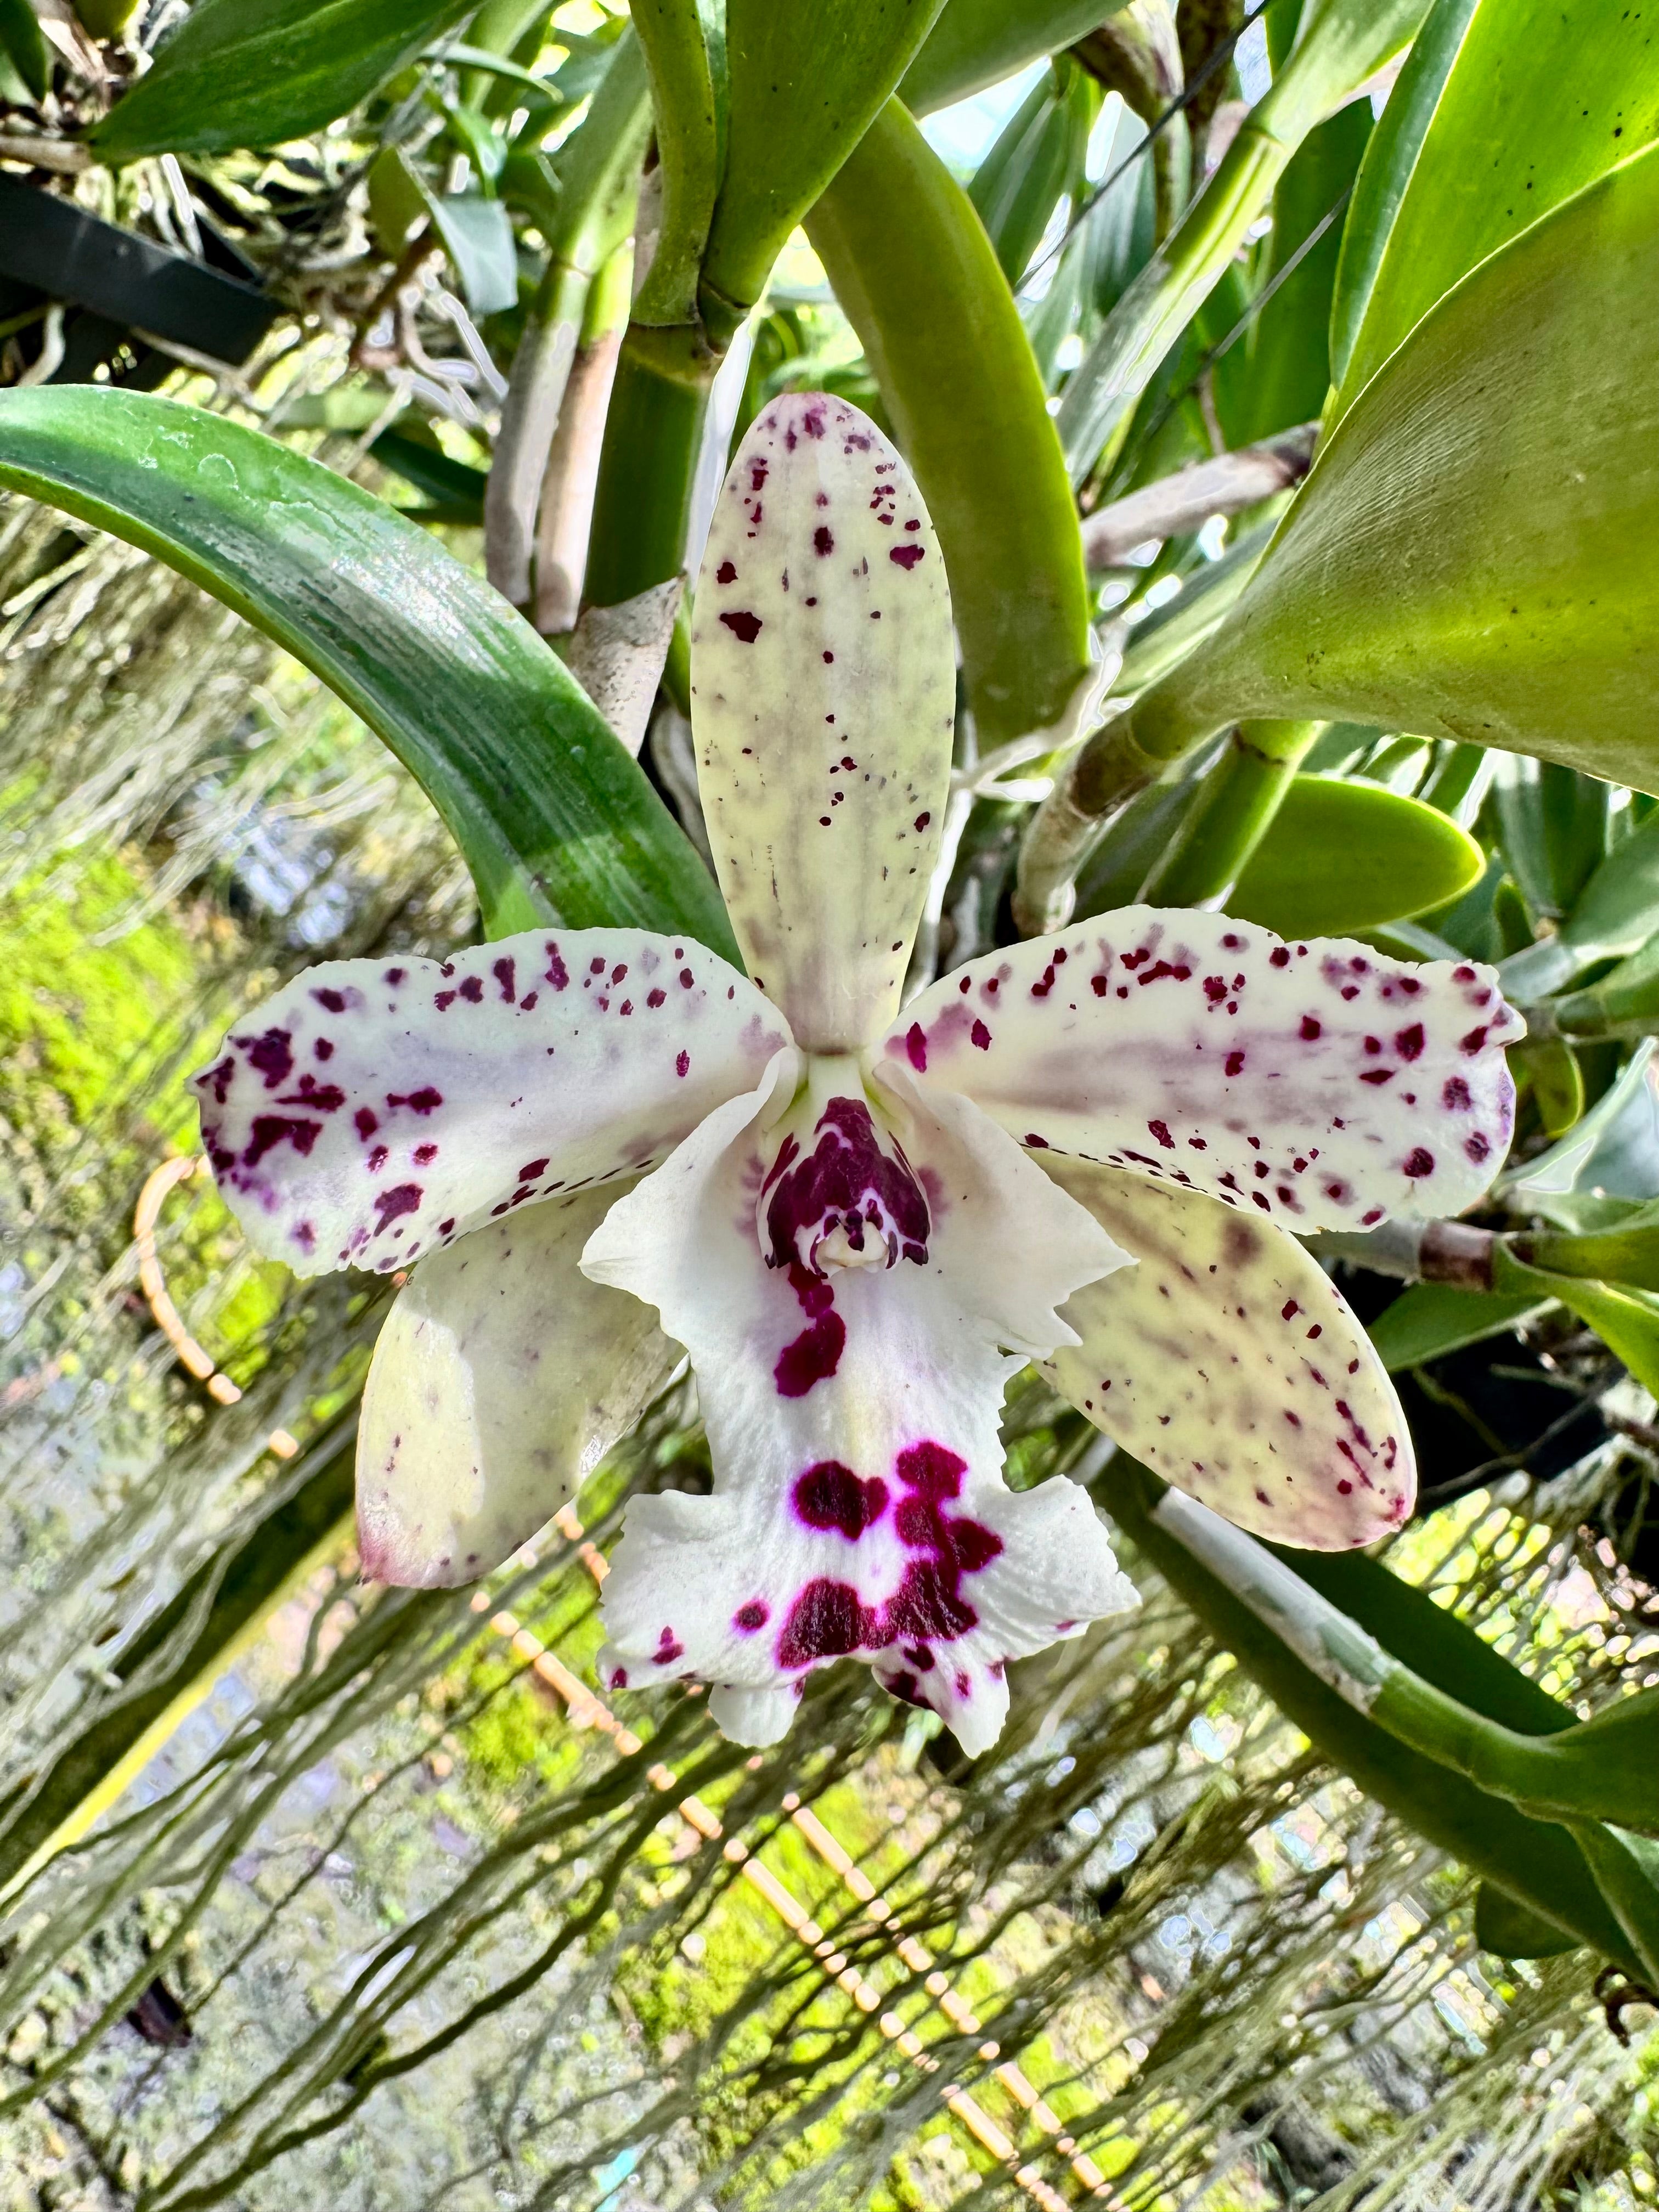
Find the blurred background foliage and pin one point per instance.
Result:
(370, 1913)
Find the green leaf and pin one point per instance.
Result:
(1555, 830)
(256, 72)
(1428, 1320)
(1433, 1642)
(430, 470)
(806, 79)
(1626, 1867)
(978, 42)
(1037, 158)
(684, 50)
(1475, 555)
(1627, 1321)
(1536, 1861)
(240, 1586)
(1339, 857)
(1279, 372)
(1511, 1930)
(554, 819)
(1615, 914)
(914, 270)
(25, 45)
(477, 236)
(1339, 43)
(1504, 109)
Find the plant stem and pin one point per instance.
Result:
(1182, 501)
(1236, 801)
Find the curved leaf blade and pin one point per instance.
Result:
(1340, 857)
(1474, 555)
(914, 268)
(553, 818)
(255, 72)
(1504, 109)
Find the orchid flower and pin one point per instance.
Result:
(603, 1145)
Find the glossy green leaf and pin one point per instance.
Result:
(1623, 1004)
(1428, 1320)
(256, 72)
(1037, 158)
(1535, 1862)
(1475, 555)
(1615, 914)
(1278, 373)
(1627, 1869)
(912, 266)
(805, 78)
(166, 1671)
(1510, 1930)
(477, 236)
(451, 484)
(1339, 44)
(25, 46)
(1553, 824)
(1627, 1321)
(1339, 857)
(1625, 1118)
(978, 42)
(1504, 109)
(1433, 1642)
(554, 819)
(1551, 1066)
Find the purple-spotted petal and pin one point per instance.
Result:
(500, 1378)
(857, 1507)
(1227, 1362)
(824, 688)
(375, 1110)
(1321, 1084)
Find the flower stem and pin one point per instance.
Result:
(1236, 801)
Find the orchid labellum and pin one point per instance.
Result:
(1087, 1150)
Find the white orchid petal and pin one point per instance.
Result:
(373, 1109)
(823, 688)
(857, 1507)
(501, 1379)
(1320, 1085)
(1229, 1364)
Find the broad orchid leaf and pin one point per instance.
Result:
(1474, 555)
(978, 42)
(1434, 1643)
(1510, 1930)
(477, 236)
(1504, 109)
(256, 72)
(554, 820)
(24, 45)
(1627, 1869)
(1535, 1862)
(805, 80)
(1428, 1320)
(1627, 1321)
(914, 268)
(1340, 857)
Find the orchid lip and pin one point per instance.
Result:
(840, 1193)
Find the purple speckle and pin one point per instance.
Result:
(830, 1495)
(744, 626)
(726, 573)
(1420, 1163)
(403, 1198)
(683, 1063)
(906, 557)
(273, 1055)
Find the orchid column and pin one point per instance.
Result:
(859, 1224)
